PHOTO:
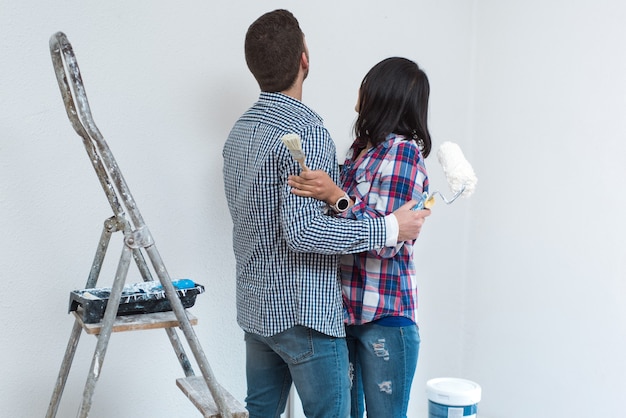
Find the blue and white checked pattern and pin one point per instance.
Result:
(286, 248)
(382, 283)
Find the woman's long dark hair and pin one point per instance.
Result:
(394, 99)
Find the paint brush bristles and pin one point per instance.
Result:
(294, 144)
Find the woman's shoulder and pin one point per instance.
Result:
(399, 145)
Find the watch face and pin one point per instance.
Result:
(343, 203)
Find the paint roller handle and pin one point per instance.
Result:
(420, 205)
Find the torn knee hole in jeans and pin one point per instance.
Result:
(380, 350)
(385, 387)
(351, 374)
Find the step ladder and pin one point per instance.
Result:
(211, 399)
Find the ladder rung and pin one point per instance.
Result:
(198, 392)
(137, 322)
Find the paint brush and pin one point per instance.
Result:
(294, 144)
(459, 174)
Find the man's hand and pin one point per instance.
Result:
(410, 221)
(316, 184)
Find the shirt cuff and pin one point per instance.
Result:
(393, 229)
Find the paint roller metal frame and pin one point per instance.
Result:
(431, 196)
(447, 201)
(137, 237)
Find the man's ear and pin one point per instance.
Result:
(304, 61)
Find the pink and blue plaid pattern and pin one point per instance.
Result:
(382, 283)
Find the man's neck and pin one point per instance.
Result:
(295, 91)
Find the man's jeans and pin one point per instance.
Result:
(317, 364)
(383, 361)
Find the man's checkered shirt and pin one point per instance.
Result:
(286, 247)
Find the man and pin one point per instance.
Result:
(286, 247)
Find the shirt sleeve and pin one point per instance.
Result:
(393, 229)
(400, 177)
(306, 226)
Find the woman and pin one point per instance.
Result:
(384, 169)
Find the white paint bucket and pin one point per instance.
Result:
(449, 397)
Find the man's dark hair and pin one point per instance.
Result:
(274, 45)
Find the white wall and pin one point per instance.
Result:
(544, 329)
(521, 285)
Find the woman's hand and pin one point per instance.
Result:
(316, 184)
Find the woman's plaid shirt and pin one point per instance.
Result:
(382, 283)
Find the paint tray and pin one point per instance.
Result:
(137, 298)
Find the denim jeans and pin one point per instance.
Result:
(316, 363)
(383, 361)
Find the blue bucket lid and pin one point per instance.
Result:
(453, 391)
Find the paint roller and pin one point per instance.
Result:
(459, 174)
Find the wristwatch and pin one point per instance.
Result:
(342, 204)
